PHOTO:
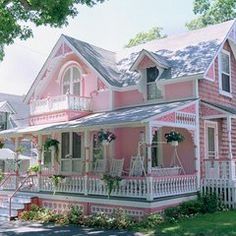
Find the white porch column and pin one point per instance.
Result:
(87, 159)
(196, 140)
(16, 160)
(148, 140)
(40, 152)
(230, 155)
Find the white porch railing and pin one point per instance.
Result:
(220, 169)
(169, 186)
(131, 187)
(58, 103)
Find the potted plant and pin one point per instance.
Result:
(1, 176)
(34, 169)
(174, 138)
(111, 182)
(56, 180)
(52, 143)
(105, 137)
(1, 144)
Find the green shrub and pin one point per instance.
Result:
(151, 221)
(75, 215)
(43, 215)
(210, 203)
(172, 214)
(121, 220)
(100, 220)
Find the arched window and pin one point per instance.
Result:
(71, 81)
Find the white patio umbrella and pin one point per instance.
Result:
(8, 154)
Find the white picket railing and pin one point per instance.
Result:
(131, 187)
(223, 188)
(58, 103)
(219, 169)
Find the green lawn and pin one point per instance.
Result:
(216, 224)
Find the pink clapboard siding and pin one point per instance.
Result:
(179, 90)
(209, 91)
(126, 144)
(128, 98)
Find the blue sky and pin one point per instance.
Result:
(109, 25)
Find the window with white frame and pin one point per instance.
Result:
(71, 81)
(211, 139)
(153, 92)
(225, 75)
(71, 152)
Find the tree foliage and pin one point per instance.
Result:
(211, 12)
(16, 16)
(143, 37)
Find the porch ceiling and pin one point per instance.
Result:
(123, 116)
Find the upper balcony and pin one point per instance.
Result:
(60, 103)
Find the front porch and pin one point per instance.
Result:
(150, 168)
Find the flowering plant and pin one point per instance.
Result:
(174, 136)
(105, 136)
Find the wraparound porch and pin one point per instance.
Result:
(140, 133)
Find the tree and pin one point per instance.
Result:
(211, 12)
(16, 16)
(143, 37)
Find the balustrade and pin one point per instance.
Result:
(58, 103)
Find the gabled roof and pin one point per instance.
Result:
(157, 59)
(186, 54)
(19, 118)
(6, 107)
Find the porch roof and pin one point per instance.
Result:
(225, 109)
(123, 116)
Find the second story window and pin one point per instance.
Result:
(71, 81)
(153, 92)
(225, 76)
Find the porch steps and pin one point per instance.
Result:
(18, 204)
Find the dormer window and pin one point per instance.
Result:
(71, 81)
(153, 92)
(225, 74)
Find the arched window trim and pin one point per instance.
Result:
(64, 69)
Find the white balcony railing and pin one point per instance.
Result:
(58, 103)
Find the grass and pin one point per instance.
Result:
(216, 224)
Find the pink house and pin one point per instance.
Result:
(184, 83)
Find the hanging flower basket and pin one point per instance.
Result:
(52, 143)
(1, 144)
(105, 137)
(174, 138)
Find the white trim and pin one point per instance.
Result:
(140, 57)
(214, 125)
(70, 158)
(221, 91)
(221, 47)
(208, 78)
(170, 111)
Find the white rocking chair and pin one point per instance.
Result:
(100, 166)
(137, 166)
(116, 167)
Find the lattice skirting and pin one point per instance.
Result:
(59, 206)
(110, 210)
